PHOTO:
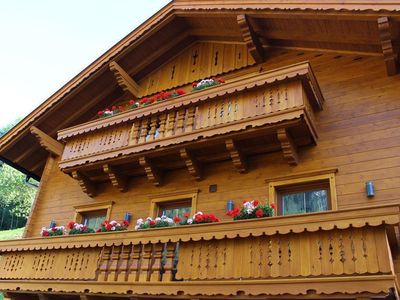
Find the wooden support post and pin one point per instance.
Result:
(390, 56)
(191, 163)
(288, 146)
(87, 186)
(117, 180)
(238, 159)
(152, 173)
(124, 80)
(47, 142)
(250, 38)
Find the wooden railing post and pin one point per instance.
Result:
(103, 266)
(169, 262)
(135, 133)
(171, 123)
(155, 270)
(190, 119)
(146, 260)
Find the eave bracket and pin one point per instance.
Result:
(117, 180)
(238, 158)
(87, 186)
(47, 142)
(124, 80)
(152, 172)
(390, 55)
(250, 38)
(191, 163)
(288, 146)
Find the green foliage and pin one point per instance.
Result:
(11, 234)
(15, 196)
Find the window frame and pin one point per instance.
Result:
(87, 208)
(303, 182)
(156, 200)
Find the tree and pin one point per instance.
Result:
(15, 195)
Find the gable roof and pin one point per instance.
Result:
(346, 26)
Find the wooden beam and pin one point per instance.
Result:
(288, 146)
(47, 142)
(390, 56)
(238, 158)
(152, 173)
(250, 38)
(124, 80)
(117, 180)
(87, 186)
(191, 163)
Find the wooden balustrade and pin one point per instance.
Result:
(258, 100)
(322, 245)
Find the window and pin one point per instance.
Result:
(299, 194)
(176, 204)
(92, 215)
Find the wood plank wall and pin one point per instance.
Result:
(359, 133)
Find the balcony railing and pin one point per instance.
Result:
(286, 94)
(344, 252)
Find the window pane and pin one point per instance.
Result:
(177, 211)
(316, 200)
(293, 204)
(93, 219)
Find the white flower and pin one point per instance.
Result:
(189, 221)
(113, 228)
(137, 227)
(158, 219)
(163, 217)
(149, 219)
(113, 223)
(170, 221)
(139, 221)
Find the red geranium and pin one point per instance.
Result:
(100, 113)
(125, 223)
(180, 92)
(144, 100)
(131, 102)
(177, 219)
(108, 226)
(194, 84)
(152, 222)
(45, 233)
(113, 107)
(71, 225)
(256, 202)
(186, 215)
(259, 213)
(273, 205)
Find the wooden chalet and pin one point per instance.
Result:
(305, 115)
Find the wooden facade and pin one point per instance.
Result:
(311, 94)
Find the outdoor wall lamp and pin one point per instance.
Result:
(370, 189)
(52, 224)
(230, 205)
(128, 217)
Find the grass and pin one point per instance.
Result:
(11, 234)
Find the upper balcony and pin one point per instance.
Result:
(344, 254)
(256, 113)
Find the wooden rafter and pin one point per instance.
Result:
(250, 38)
(47, 142)
(390, 55)
(117, 180)
(124, 80)
(288, 146)
(152, 173)
(238, 158)
(191, 163)
(87, 186)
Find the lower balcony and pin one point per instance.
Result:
(342, 254)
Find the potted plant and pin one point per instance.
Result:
(252, 210)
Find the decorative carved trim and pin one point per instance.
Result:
(302, 175)
(191, 163)
(124, 80)
(238, 159)
(47, 142)
(152, 173)
(250, 38)
(390, 56)
(87, 186)
(117, 180)
(288, 146)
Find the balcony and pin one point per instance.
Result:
(257, 113)
(344, 252)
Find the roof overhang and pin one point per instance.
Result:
(181, 22)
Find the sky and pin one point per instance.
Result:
(45, 43)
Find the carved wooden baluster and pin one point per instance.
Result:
(146, 262)
(190, 119)
(102, 268)
(169, 262)
(161, 130)
(134, 263)
(134, 133)
(144, 130)
(113, 264)
(171, 123)
(180, 123)
(122, 266)
(153, 128)
(155, 268)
